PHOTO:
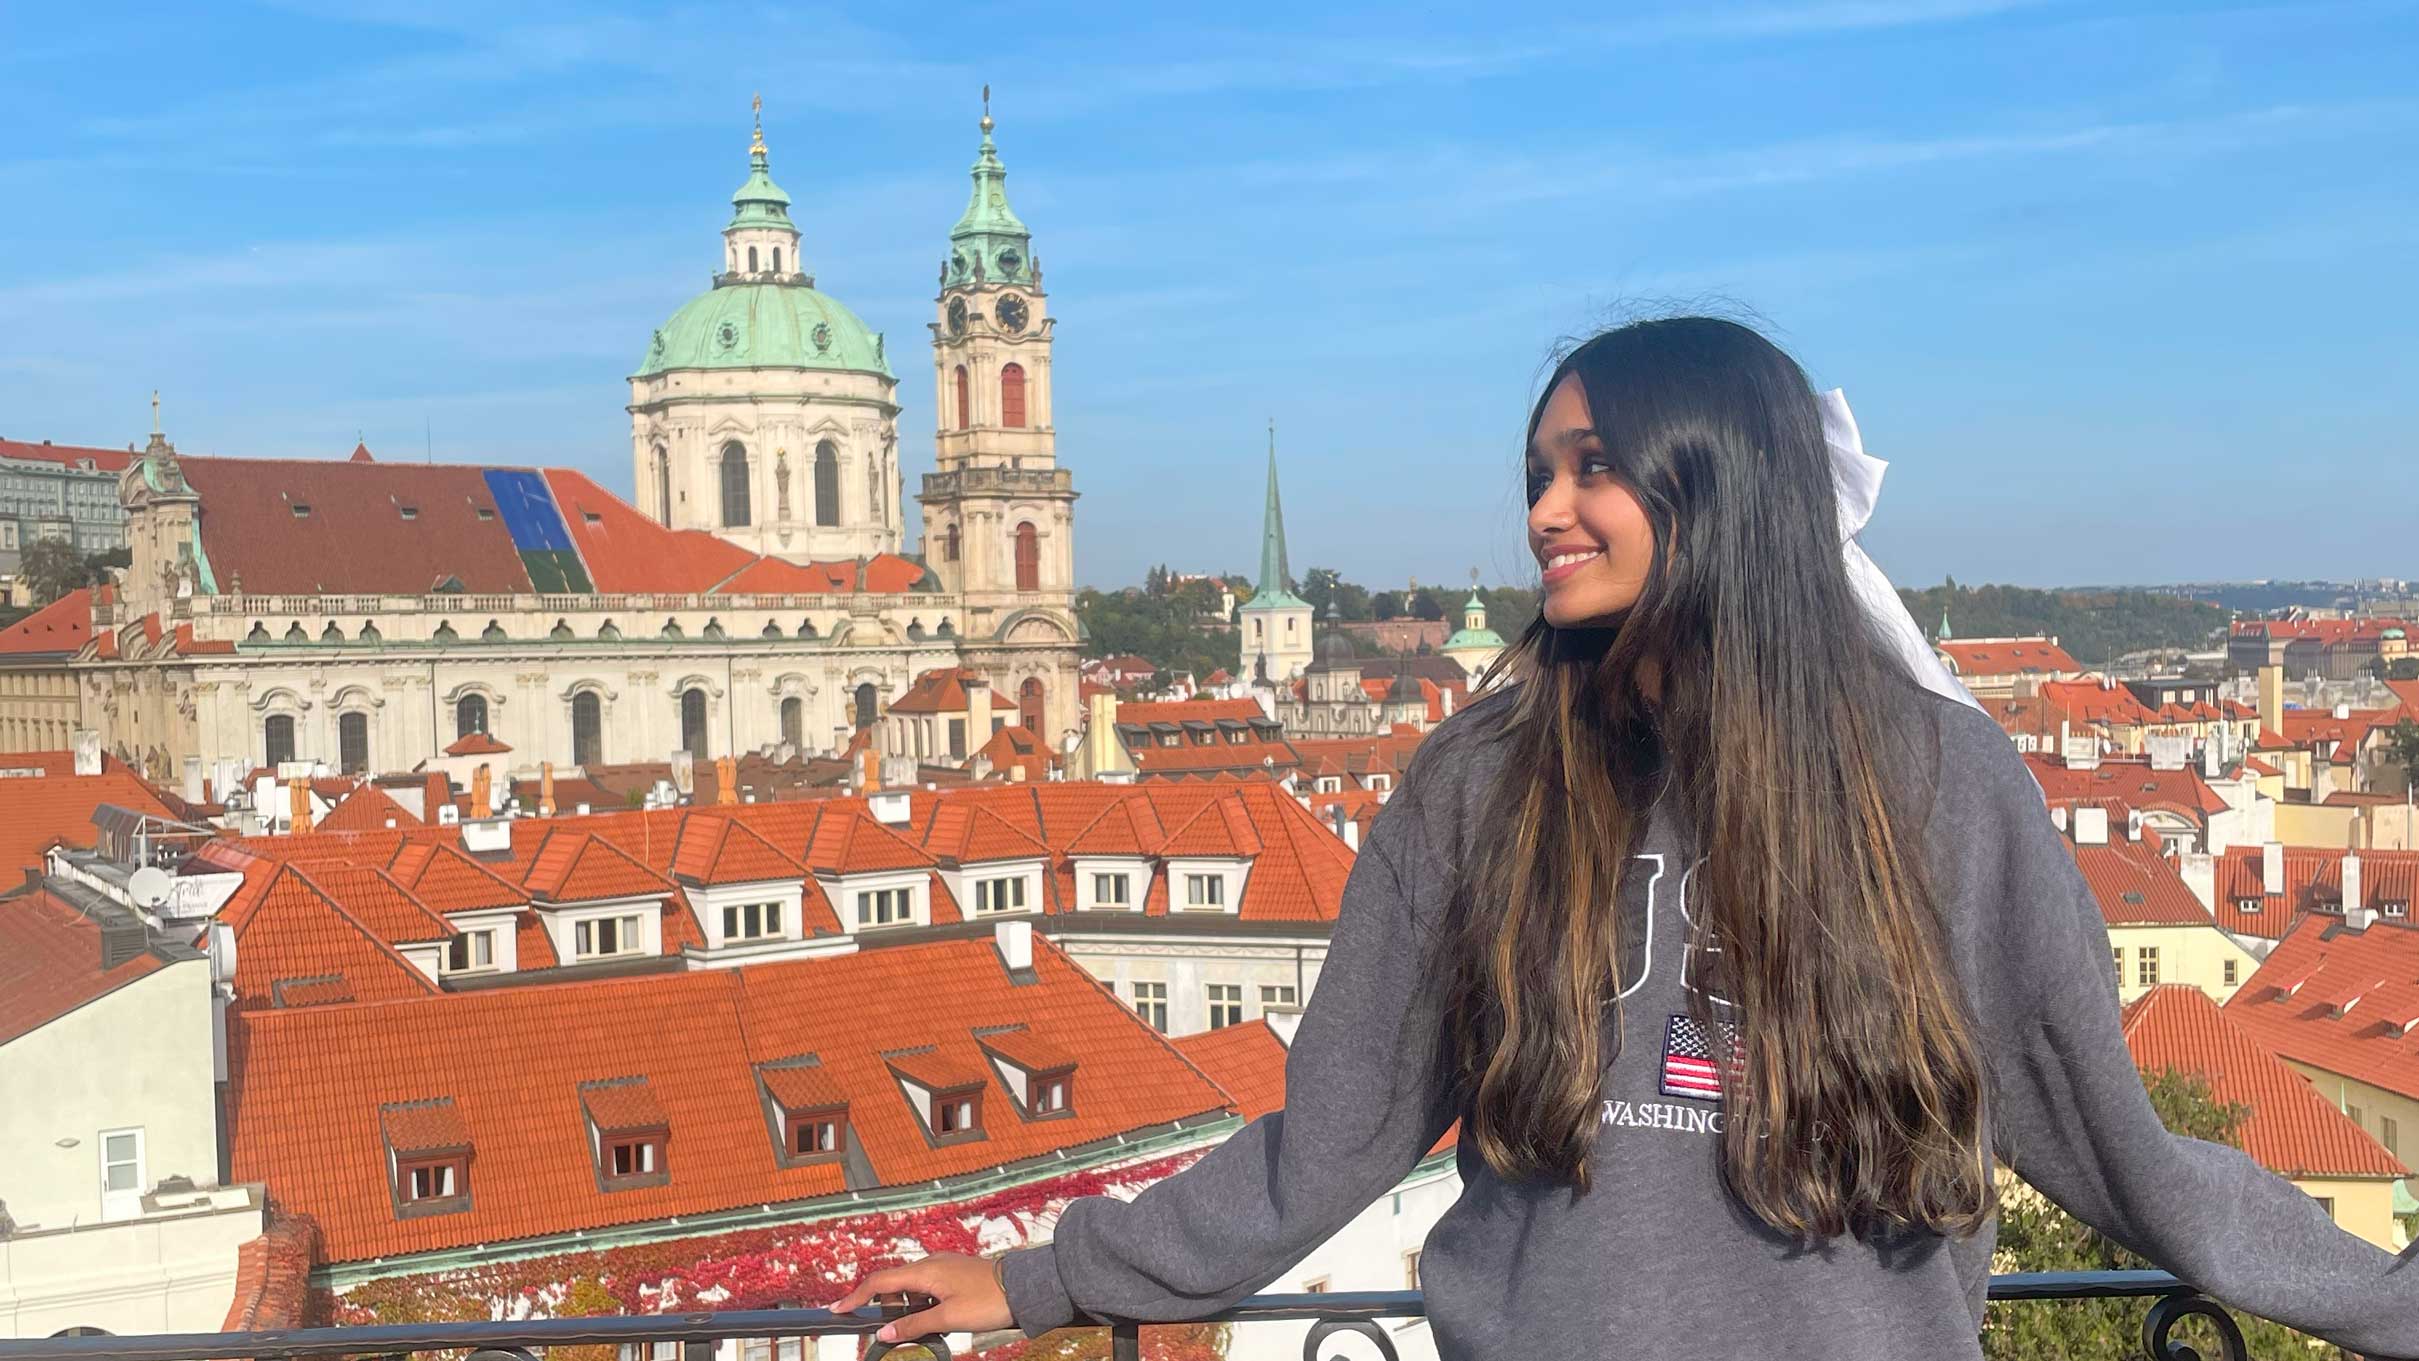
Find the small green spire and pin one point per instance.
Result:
(1271, 591)
(989, 244)
(1944, 634)
(759, 202)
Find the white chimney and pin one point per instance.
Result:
(2272, 868)
(2168, 751)
(193, 780)
(1352, 836)
(581, 809)
(978, 712)
(2342, 710)
(889, 808)
(2091, 825)
(1284, 1021)
(2133, 824)
(88, 751)
(2355, 907)
(486, 835)
(1015, 941)
(2057, 818)
(2081, 753)
(448, 814)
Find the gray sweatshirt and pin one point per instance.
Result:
(1658, 1260)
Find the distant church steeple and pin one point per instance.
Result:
(1276, 629)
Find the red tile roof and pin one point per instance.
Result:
(2134, 884)
(2291, 1130)
(1126, 827)
(354, 538)
(1030, 1051)
(726, 850)
(445, 877)
(37, 813)
(937, 691)
(68, 455)
(366, 809)
(273, 1277)
(1247, 1060)
(1016, 745)
(61, 626)
(2090, 702)
(937, 1070)
(376, 901)
(2291, 1003)
(476, 744)
(2313, 882)
(2179, 791)
(50, 963)
(1221, 827)
(622, 1105)
(576, 867)
(849, 841)
(512, 1061)
(288, 930)
(967, 834)
(2008, 656)
(424, 1126)
(801, 1085)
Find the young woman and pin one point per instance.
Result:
(1738, 941)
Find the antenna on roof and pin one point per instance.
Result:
(428, 438)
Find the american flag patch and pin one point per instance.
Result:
(1689, 1066)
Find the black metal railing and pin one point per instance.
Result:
(696, 1334)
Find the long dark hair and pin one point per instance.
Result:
(1778, 734)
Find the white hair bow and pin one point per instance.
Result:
(1857, 477)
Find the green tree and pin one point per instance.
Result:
(1319, 587)
(2095, 627)
(2036, 1235)
(2402, 748)
(2402, 669)
(1424, 604)
(52, 568)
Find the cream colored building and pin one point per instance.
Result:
(369, 615)
(112, 1215)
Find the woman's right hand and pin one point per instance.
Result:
(966, 1291)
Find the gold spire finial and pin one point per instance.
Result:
(986, 108)
(756, 148)
(155, 411)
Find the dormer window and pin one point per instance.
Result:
(999, 895)
(628, 1131)
(2246, 904)
(408, 512)
(751, 921)
(2394, 907)
(428, 1156)
(1050, 1095)
(882, 907)
(958, 1113)
(1112, 890)
(302, 510)
(1039, 1075)
(807, 1109)
(1207, 891)
(946, 1092)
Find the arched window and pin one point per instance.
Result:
(867, 701)
(663, 484)
(277, 740)
(734, 484)
(1012, 395)
(827, 484)
(1029, 705)
(353, 743)
(965, 412)
(1028, 557)
(587, 730)
(470, 715)
(793, 721)
(776, 259)
(949, 544)
(693, 722)
(751, 259)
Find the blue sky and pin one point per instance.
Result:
(2123, 290)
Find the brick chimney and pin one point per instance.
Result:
(298, 805)
(726, 779)
(481, 792)
(545, 789)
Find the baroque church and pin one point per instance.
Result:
(759, 596)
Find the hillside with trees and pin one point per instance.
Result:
(1176, 624)
(2095, 627)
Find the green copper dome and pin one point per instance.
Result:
(990, 243)
(1473, 638)
(764, 326)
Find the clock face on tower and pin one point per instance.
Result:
(957, 316)
(1011, 312)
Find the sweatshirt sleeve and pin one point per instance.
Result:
(2073, 1118)
(1364, 1102)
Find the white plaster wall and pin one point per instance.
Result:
(172, 1273)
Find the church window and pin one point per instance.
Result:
(1029, 705)
(663, 484)
(793, 721)
(1028, 557)
(949, 544)
(965, 412)
(353, 742)
(734, 485)
(470, 715)
(827, 484)
(751, 259)
(587, 729)
(776, 259)
(867, 701)
(1012, 395)
(277, 737)
(693, 722)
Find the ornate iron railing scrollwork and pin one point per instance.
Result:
(2169, 1310)
(1328, 1327)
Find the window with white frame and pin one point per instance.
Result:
(1225, 1004)
(2246, 904)
(1050, 1095)
(2146, 966)
(751, 921)
(1151, 1003)
(1205, 890)
(122, 1160)
(1112, 890)
(999, 895)
(2231, 970)
(882, 907)
(471, 950)
(605, 937)
(1276, 995)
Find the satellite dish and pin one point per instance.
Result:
(222, 953)
(150, 886)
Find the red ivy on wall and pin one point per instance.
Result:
(794, 1264)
